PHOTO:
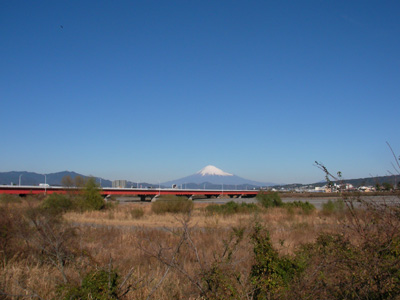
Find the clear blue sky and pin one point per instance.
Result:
(156, 90)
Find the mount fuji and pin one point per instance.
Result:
(211, 174)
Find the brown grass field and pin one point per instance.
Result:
(156, 256)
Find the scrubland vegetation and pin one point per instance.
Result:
(76, 246)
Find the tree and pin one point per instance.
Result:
(91, 195)
(387, 186)
(79, 182)
(67, 182)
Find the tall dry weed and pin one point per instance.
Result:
(142, 249)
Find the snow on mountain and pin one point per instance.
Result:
(214, 175)
(211, 170)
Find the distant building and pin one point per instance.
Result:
(367, 189)
(119, 184)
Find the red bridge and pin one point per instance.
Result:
(143, 193)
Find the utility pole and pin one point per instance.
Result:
(45, 184)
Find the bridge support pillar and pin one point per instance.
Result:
(154, 199)
(142, 198)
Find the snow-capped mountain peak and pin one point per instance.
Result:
(211, 170)
(213, 175)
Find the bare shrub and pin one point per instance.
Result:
(6, 198)
(361, 260)
(10, 224)
(136, 213)
(213, 269)
(50, 239)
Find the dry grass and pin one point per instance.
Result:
(287, 229)
(132, 245)
(121, 216)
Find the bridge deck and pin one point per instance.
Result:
(36, 190)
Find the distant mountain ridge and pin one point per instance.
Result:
(32, 178)
(54, 179)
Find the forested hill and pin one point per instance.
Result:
(372, 181)
(31, 178)
(368, 181)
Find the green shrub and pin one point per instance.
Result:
(173, 204)
(306, 207)
(269, 199)
(270, 274)
(231, 207)
(220, 283)
(91, 196)
(57, 203)
(87, 199)
(333, 206)
(221, 280)
(137, 213)
(99, 285)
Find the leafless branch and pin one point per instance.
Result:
(395, 158)
(168, 264)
